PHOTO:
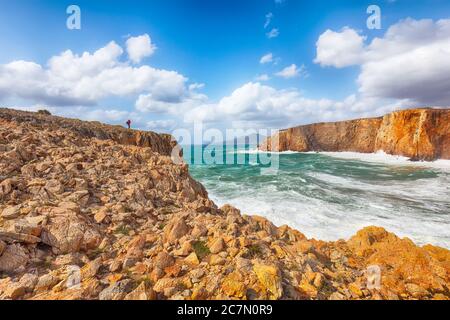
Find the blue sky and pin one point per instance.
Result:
(218, 44)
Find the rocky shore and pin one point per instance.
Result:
(90, 211)
(419, 134)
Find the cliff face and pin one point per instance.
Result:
(83, 217)
(420, 134)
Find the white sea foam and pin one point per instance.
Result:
(257, 151)
(384, 158)
(330, 203)
(321, 220)
(378, 157)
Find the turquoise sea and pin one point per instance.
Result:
(331, 196)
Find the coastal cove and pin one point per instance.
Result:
(91, 211)
(331, 195)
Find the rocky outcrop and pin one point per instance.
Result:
(89, 218)
(419, 134)
(161, 143)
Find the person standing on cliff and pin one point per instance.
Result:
(129, 124)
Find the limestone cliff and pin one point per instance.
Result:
(85, 214)
(420, 134)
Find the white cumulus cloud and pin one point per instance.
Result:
(410, 62)
(140, 47)
(265, 106)
(340, 49)
(70, 79)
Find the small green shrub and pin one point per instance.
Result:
(201, 249)
(123, 230)
(254, 251)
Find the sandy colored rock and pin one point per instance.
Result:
(68, 234)
(15, 291)
(13, 257)
(100, 216)
(192, 259)
(217, 246)
(18, 237)
(11, 212)
(142, 292)
(164, 260)
(116, 291)
(175, 230)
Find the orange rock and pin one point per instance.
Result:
(402, 261)
(269, 278)
(420, 134)
(233, 285)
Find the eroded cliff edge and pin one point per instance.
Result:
(419, 134)
(83, 217)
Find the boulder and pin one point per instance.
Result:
(11, 212)
(117, 291)
(233, 285)
(142, 292)
(164, 260)
(217, 246)
(68, 234)
(14, 257)
(176, 229)
(270, 280)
